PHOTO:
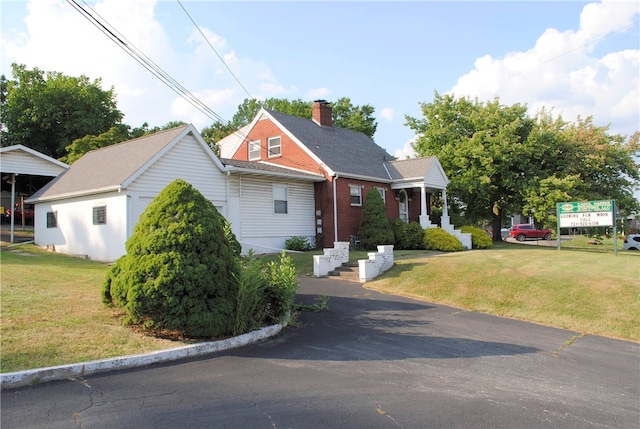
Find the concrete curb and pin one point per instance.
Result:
(41, 375)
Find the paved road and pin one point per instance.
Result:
(370, 361)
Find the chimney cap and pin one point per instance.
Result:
(321, 101)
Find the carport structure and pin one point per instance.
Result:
(23, 172)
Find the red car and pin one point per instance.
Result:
(28, 214)
(526, 230)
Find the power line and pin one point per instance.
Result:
(214, 50)
(143, 60)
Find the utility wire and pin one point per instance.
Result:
(216, 52)
(143, 60)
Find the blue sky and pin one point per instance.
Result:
(579, 58)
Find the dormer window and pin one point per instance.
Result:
(274, 147)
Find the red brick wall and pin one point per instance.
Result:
(292, 155)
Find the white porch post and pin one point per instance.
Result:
(425, 222)
(445, 220)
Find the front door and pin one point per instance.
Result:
(403, 206)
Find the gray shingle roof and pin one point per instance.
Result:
(261, 167)
(109, 167)
(410, 168)
(343, 151)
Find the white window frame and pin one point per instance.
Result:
(383, 194)
(251, 149)
(358, 193)
(277, 203)
(274, 147)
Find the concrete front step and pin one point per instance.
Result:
(348, 270)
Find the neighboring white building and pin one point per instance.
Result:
(92, 208)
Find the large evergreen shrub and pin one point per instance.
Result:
(180, 272)
(374, 225)
(439, 239)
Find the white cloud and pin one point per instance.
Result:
(406, 151)
(59, 38)
(388, 114)
(561, 72)
(317, 93)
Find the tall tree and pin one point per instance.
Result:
(502, 162)
(345, 115)
(482, 148)
(116, 134)
(48, 111)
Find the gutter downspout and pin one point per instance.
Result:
(335, 208)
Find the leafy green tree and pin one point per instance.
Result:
(345, 115)
(179, 273)
(356, 118)
(501, 162)
(48, 111)
(216, 132)
(116, 134)
(483, 150)
(375, 228)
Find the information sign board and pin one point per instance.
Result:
(585, 214)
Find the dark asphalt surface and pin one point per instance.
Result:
(369, 361)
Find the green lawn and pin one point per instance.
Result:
(51, 312)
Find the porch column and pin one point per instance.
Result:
(425, 222)
(445, 221)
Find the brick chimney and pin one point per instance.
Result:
(321, 113)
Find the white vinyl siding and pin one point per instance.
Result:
(256, 209)
(188, 161)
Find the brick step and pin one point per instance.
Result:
(348, 270)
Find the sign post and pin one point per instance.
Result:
(585, 214)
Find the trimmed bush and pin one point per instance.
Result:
(479, 238)
(180, 273)
(398, 228)
(413, 237)
(374, 226)
(297, 243)
(439, 239)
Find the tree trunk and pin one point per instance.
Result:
(496, 225)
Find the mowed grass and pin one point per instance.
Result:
(52, 314)
(51, 311)
(594, 293)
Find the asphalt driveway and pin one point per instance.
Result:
(369, 361)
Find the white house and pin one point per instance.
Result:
(92, 208)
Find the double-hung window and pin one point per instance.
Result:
(356, 195)
(280, 199)
(274, 147)
(254, 150)
(383, 194)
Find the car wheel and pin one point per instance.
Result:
(547, 237)
(520, 237)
